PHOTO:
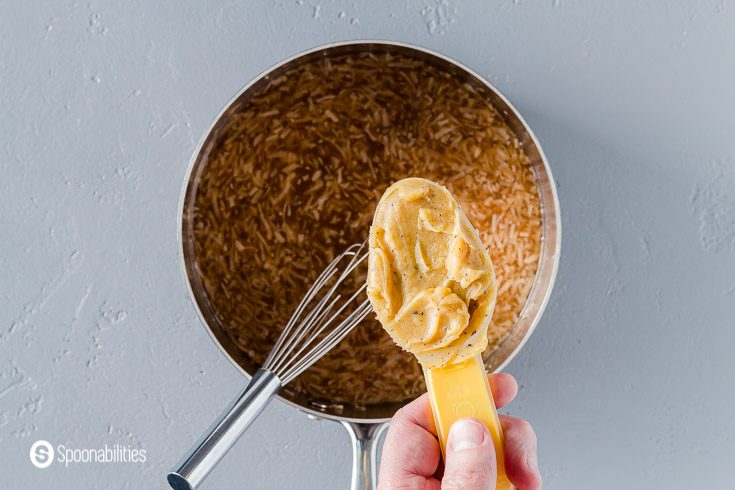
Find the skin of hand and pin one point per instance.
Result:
(411, 457)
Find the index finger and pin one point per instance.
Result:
(504, 388)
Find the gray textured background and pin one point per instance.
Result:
(629, 378)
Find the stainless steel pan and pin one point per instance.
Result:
(366, 425)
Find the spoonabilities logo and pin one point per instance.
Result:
(42, 454)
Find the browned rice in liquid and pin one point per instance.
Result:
(295, 178)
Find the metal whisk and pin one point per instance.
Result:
(316, 326)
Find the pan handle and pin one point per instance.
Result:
(364, 439)
(225, 431)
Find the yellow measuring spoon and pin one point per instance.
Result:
(433, 288)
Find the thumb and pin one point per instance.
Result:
(470, 457)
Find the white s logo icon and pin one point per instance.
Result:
(42, 454)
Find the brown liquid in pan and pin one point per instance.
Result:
(294, 180)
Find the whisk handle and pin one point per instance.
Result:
(225, 431)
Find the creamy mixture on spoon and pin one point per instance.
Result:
(430, 278)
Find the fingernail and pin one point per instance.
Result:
(466, 434)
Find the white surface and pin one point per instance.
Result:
(628, 379)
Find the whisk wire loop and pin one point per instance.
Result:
(310, 332)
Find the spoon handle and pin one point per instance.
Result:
(462, 390)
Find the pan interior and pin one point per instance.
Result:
(549, 244)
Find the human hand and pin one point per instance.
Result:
(411, 456)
